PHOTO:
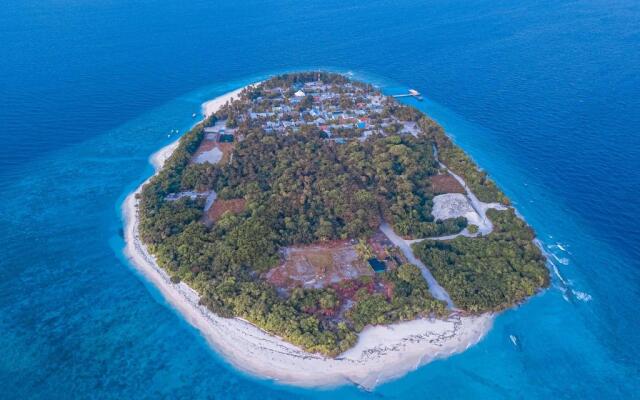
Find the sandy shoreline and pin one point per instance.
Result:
(381, 353)
(211, 106)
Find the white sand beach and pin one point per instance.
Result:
(382, 353)
(211, 106)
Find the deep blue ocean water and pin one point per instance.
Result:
(545, 95)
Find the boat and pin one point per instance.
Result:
(515, 341)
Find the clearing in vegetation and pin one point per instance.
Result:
(318, 265)
(445, 183)
(222, 206)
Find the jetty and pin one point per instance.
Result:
(412, 93)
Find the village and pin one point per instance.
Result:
(341, 112)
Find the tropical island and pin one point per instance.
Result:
(319, 232)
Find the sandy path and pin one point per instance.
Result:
(434, 287)
(477, 217)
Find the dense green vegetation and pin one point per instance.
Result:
(488, 273)
(312, 189)
(397, 169)
(407, 296)
(301, 188)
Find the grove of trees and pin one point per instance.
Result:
(488, 273)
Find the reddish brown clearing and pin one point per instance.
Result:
(205, 145)
(219, 207)
(226, 149)
(380, 245)
(318, 265)
(445, 184)
(384, 250)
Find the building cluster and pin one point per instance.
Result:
(340, 111)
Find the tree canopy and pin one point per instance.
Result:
(488, 273)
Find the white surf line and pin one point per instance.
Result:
(434, 287)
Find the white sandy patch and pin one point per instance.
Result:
(211, 106)
(211, 197)
(452, 205)
(190, 194)
(158, 158)
(485, 226)
(381, 353)
(211, 156)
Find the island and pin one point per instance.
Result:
(318, 232)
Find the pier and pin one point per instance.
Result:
(412, 93)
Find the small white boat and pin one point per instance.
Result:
(193, 115)
(514, 340)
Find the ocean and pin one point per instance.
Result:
(544, 95)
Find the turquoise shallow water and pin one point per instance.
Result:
(544, 96)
